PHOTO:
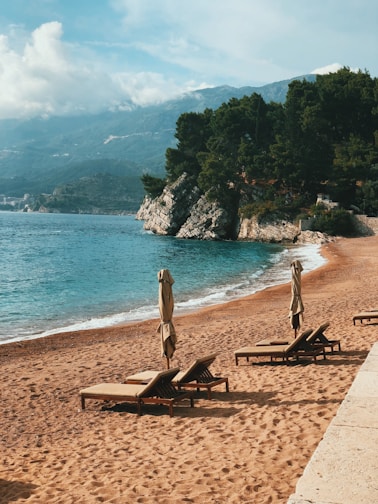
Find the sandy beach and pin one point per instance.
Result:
(246, 446)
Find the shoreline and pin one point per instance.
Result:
(276, 275)
(248, 445)
(100, 331)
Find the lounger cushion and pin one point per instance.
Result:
(114, 389)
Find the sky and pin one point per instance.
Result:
(65, 57)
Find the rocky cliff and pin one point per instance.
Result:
(182, 211)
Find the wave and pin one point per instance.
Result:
(277, 274)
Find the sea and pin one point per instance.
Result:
(63, 272)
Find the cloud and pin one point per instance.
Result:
(144, 52)
(226, 40)
(333, 68)
(247, 42)
(45, 76)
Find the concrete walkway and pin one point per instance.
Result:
(344, 467)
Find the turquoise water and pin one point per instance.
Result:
(63, 272)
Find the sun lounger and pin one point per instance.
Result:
(197, 376)
(159, 390)
(366, 315)
(316, 338)
(296, 349)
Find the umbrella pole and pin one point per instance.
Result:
(167, 362)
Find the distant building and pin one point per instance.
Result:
(323, 199)
(16, 203)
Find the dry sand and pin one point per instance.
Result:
(247, 446)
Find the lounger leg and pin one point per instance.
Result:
(82, 402)
(139, 407)
(227, 388)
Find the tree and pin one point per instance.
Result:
(192, 132)
(153, 185)
(324, 137)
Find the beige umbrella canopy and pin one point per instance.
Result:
(296, 305)
(166, 305)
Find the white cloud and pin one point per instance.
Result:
(46, 76)
(244, 42)
(147, 51)
(43, 78)
(334, 67)
(144, 88)
(226, 39)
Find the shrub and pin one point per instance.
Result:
(335, 222)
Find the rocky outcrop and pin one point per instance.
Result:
(182, 211)
(166, 214)
(278, 232)
(207, 221)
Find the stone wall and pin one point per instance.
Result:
(369, 225)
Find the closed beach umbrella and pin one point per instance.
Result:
(296, 305)
(166, 305)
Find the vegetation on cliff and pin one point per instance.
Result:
(259, 158)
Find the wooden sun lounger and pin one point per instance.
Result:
(318, 338)
(197, 376)
(366, 315)
(159, 390)
(296, 349)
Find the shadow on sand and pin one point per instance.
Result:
(11, 491)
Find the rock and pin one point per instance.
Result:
(207, 221)
(315, 237)
(166, 214)
(182, 211)
(275, 232)
(278, 232)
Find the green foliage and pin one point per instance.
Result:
(153, 185)
(337, 222)
(102, 193)
(367, 198)
(192, 132)
(275, 158)
(261, 210)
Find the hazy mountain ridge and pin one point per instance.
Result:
(38, 154)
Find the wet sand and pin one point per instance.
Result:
(246, 446)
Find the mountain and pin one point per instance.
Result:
(39, 154)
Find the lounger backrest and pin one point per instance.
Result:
(198, 367)
(318, 334)
(161, 378)
(300, 342)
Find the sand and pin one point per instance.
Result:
(246, 446)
